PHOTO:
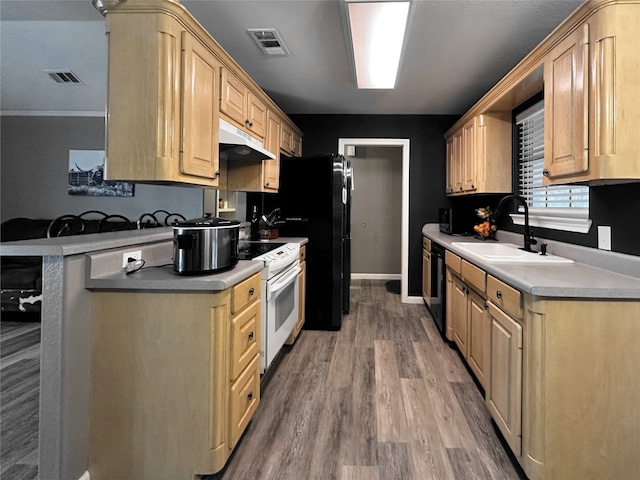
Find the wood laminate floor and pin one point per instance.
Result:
(19, 399)
(382, 399)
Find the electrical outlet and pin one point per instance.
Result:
(136, 254)
(604, 238)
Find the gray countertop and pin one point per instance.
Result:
(161, 277)
(575, 280)
(78, 244)
(164, 278)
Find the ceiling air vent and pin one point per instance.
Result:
(65, 77)
(269, 41)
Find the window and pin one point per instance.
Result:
(559, 207)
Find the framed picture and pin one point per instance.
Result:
(86, 176)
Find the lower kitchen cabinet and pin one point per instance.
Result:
(467, 312)
(302, 284)
(175, 379)
(504, 396)
(426, 270)
(564, 383)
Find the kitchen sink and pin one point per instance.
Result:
(506, 253)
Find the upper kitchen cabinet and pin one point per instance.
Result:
(259, 176)
(163, 116)
(242, 106)
(592, 79)
(479, 155)
(589, 70)
(291, 140)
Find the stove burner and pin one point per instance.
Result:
(251, 250)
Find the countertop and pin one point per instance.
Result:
(583, 279)
(162, 277)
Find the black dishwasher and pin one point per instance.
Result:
(438, 289)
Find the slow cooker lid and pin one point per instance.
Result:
(207, 221)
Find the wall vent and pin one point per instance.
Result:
(64, 77)
(269, 41)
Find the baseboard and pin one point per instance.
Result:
(414, 299)
(85, 476)
(376, 276)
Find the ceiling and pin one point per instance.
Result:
(455, 52)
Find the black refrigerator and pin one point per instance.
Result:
(315, 202)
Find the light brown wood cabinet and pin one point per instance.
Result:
(563, 383)
(261, 176)
(242, 106)
(291, 140)
(588, 68)
(302, 284)
(468, 316)
(175, 379)
(479, 155)
(591, 100)
(426, 270)
(163, 115)
(504, 397)
(150, 137)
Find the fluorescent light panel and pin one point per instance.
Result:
(377, 35)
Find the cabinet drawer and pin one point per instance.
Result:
(452, 261)
(474, 276)
(303, 253)
(505, 296)
(244, 293)
(244, 400)
(426, 244)
(245, 338)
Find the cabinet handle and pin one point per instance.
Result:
(250, 396)
(217, 174)
(248, 123)
(251, 291)
(498, 294)
(266, 184)
(250, 335)
(486, 306)
(545, 172)
(473, 187)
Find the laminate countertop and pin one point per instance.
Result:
(595, 274)
(104, 274)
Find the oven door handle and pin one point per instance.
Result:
(285, 280)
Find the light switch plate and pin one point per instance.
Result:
(604, 237)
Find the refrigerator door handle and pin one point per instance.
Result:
(344, 195)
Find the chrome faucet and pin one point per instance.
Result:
(528, 236)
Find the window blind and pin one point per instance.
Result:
(568, 201)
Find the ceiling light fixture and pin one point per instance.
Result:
(377, 37)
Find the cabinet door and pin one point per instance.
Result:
(449, 159)
(468, 159)
(426, 276)
(456, 163)
(256, 121)
(199, 146)
(459, 315)
(504, 396)
(271, 168)
(479, 337)
(566, 93)
(233, 97)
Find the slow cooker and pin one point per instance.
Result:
(205, 245)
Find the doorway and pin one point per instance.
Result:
(349, 147)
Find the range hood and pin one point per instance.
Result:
(239, 145)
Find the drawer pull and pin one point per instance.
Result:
(251, 291)
(250, 335)
(498, 294)
(250, 396)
